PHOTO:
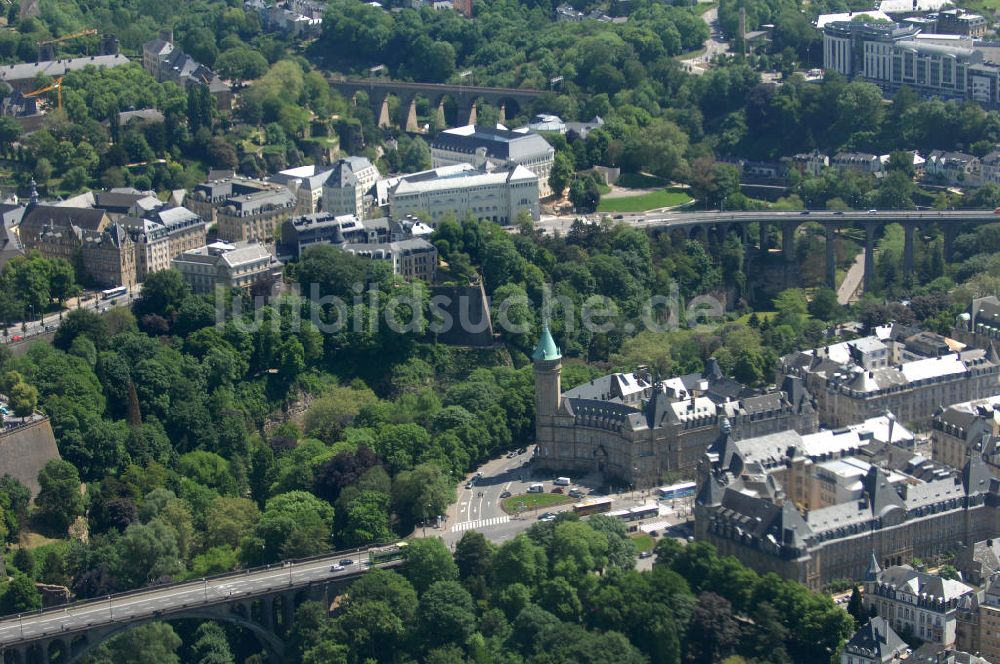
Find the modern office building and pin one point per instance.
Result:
(300, 233)
(891, 55)
(461, 189)
(500, 148)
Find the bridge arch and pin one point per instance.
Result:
(267, 638)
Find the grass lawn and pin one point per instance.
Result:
(703, 7)
(639, 181)
(603, 188)
(533, 501)
(643, 542)
(643, 202)
(761, 315)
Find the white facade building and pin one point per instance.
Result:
(463, 190)
(498, 147)
(351, 180)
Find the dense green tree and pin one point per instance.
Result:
(59, 501)
(446, 613)
(293, 525)
(428, 561)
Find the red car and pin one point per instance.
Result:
(558, 489)
(16, 337)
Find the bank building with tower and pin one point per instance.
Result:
(632, 428)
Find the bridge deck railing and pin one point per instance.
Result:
(284, 564)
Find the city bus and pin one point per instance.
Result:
(674, 491)
(598, 506)
(112, 293)
(644, 512)
(384, 554)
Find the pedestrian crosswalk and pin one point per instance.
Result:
(481, 523)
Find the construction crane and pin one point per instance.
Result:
(57, 86)
(74, 35)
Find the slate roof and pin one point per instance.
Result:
(55, 68)
(904, 577)
(876, 641)
(86, 218)
(502, 144)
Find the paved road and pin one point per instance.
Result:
(484, 514)
(549, 224)
(848, 291)
(481, 503)
(714, 45)
(175, 598)
(51, 322)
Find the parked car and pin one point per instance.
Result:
(17, 337)
(646, 554)
(505, 494)
(547, 516)
(469, 485)
(575, 493)
(557, 489)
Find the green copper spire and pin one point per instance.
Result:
(546, 350)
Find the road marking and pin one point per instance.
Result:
(481, 523)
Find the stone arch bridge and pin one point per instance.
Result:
(715, 226)
(261, 601)
(465, 97)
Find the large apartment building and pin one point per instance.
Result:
(163, 235)
(857, 379)
(906, 507)
(306, 184)
(255, 216)
(113, 252)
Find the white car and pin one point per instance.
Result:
(337, 568)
